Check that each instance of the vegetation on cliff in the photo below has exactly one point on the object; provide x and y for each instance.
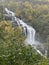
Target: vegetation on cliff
(13, 51)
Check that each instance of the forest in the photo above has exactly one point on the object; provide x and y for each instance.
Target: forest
(13, 51)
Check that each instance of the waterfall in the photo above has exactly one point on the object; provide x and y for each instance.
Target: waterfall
(10, 13)
(28, 30)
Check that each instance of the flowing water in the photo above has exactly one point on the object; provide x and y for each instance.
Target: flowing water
(30, 34)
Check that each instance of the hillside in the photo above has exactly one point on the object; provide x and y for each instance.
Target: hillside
(12, 49)
(33, 12)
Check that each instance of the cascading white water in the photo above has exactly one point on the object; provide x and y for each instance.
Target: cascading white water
(9, 12)
(30, 30)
